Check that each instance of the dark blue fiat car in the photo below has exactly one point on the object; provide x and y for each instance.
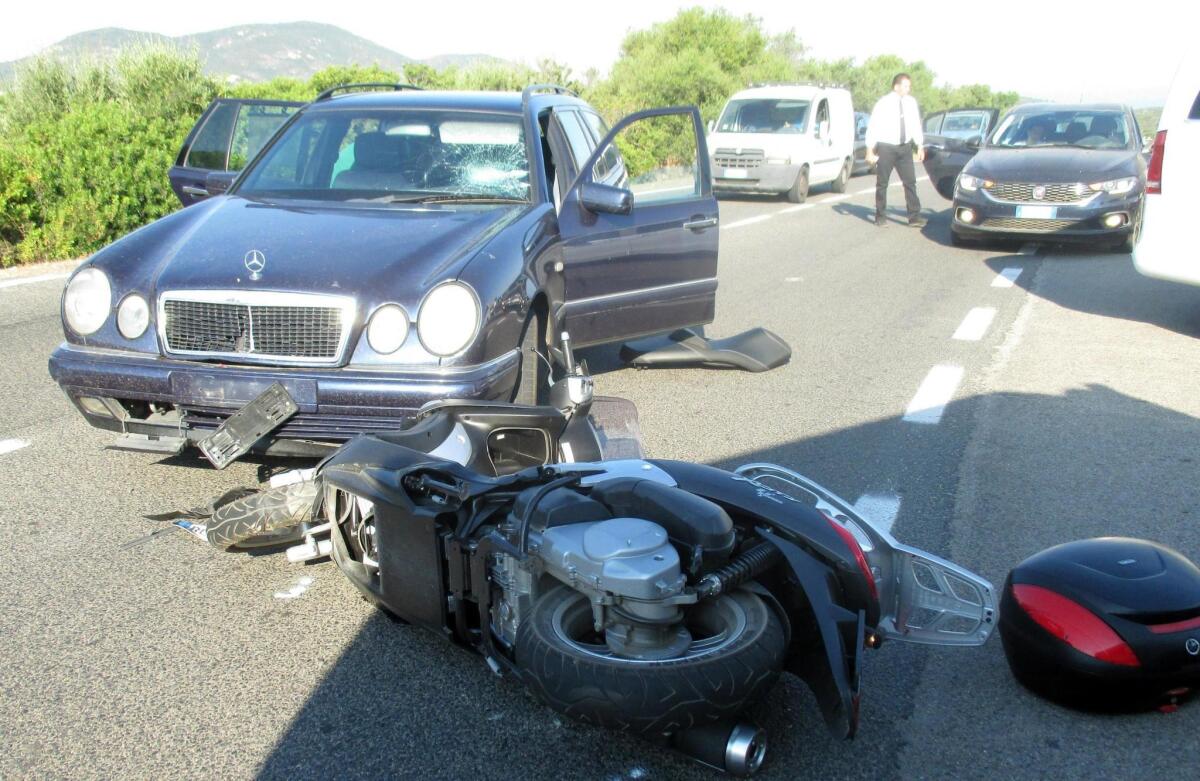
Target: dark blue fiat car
(383, 249)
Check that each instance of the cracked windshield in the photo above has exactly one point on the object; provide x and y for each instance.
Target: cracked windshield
(395, 157)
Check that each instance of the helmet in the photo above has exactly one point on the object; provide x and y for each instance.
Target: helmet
(1110, 624)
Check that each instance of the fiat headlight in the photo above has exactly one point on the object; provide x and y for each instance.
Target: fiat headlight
(88, 301)
(388, 329)
(133, 316)
(448, 319)
(971, 183)
(1115, 186)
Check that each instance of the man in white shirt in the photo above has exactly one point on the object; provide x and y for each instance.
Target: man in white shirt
(894, 127)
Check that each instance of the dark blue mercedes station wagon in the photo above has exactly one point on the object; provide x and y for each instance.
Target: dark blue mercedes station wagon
(383, 249)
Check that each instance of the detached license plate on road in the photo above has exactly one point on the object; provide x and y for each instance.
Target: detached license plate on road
(736, 173)
(1037, 212)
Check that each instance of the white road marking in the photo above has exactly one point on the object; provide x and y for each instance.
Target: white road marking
(797, 208)
(881, 509)
(936, 391)
(1029, 249)
(835, 198)
(747, 221)
(921, 179)
(1007, 277)
(975, 324)
(866, 191)
(793, 279)
(301, 586)
(31, 280)
(10, 445)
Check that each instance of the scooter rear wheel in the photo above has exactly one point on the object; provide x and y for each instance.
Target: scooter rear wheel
(735, 657)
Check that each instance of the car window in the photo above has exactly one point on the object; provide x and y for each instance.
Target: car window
(577, 137)
(1087, 128)
(823, 118)
(256, 124)
(607, 162)
(964, 124)
(393, 156)
(763, 115)
(210, 148)
(656, 159)
(933, 123)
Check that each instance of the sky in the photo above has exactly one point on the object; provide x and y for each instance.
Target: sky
(1099, 50)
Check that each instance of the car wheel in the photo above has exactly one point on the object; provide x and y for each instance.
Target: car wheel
(799, 191)
(533, 382)
(839, 184)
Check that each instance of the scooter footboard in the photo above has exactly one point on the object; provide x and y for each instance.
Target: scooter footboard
(923, 598)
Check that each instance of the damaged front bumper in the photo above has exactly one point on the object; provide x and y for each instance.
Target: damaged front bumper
(164, 399)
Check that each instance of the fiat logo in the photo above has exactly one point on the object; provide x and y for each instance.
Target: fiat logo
(255, 263)
(1039, 193)
(1193, 646)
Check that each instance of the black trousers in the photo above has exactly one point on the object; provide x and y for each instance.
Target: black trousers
(899, 157)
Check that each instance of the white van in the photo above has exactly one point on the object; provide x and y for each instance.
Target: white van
(783, 138)
(1166, 248)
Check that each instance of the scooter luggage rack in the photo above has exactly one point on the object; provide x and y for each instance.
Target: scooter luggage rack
(923, 598)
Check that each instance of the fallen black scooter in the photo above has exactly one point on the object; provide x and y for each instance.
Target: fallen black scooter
(649, 596)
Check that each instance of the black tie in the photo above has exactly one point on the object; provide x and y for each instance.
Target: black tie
(903, 135)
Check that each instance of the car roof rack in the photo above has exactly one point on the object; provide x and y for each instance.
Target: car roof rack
(554, 89)
(327, 94)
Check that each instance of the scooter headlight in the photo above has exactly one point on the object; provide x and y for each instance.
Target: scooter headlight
(448, 319)
(87, 302)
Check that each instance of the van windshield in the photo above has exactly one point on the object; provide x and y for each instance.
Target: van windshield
(764, 115)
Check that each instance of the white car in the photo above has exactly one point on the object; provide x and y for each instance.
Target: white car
(783, 138)
(1167, 248)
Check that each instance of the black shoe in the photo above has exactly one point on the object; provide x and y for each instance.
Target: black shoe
(880, 220)
(918, 222)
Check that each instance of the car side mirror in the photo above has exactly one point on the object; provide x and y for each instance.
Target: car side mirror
(218, 182)
(603, 198)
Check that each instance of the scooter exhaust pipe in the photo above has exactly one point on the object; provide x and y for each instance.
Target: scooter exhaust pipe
(735, 748)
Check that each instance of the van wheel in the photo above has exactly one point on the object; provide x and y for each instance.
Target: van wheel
(799, 191)
(839, 184)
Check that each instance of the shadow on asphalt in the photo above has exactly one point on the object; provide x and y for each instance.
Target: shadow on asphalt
(1112, 287)
(401, 702)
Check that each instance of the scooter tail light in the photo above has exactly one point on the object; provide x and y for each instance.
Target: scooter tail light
(1074, 624)
(1155, 169)
(859, 557)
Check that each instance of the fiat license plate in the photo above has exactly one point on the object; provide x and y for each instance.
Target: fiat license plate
(735, 173)
(1037, 212)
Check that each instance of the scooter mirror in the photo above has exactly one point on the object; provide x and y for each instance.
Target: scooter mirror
(572, 392)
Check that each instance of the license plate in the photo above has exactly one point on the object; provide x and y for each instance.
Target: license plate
(240, 431)
(735, 173)
(1037, 212)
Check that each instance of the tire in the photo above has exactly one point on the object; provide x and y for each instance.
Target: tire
(267, 518)
(799, 191)
(650, 697)
(839, 184)
(532, 383)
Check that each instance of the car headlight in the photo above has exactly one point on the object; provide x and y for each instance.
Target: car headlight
(1115, 186)
(972, 183)
(448, 319)
(88, 301)
(388, 329)
(133, 316)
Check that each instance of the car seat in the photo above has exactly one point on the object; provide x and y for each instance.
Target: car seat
(376, 165)
(1074, 132)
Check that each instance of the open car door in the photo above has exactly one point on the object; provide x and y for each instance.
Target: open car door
(951, 139)
(639, 231)
(228, 135)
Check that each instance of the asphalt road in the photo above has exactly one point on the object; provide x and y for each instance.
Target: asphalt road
(1072, 413)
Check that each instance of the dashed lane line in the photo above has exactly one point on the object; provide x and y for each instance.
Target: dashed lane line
(936, 391)
(975, 324)
(1007, 276)
(31, 280)
(881, 509)
(11, 445)
(747, 221)
(797, 208)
